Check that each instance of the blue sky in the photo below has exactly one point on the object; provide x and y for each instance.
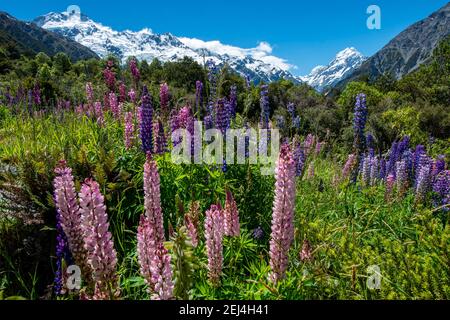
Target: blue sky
(305, 33)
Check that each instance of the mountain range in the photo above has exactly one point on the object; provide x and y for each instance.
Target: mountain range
(27, 38)
(345, 62)
(257, 63)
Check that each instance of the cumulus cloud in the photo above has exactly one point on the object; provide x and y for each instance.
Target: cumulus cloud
(262, 52)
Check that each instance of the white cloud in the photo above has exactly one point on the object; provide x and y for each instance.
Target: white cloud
(262, 52)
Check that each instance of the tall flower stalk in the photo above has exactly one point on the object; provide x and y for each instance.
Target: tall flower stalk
(231, 217)
(214, 247)
(146, 121)
(102, 256)
(68, 209)
(153, 257)
(282, 234)
(164, 97)
(129, 130)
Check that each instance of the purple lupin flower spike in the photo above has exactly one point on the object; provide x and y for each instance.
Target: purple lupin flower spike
(146, 121)
(164, 97)
(102, 257)
(265, 108)
(68, 209)
(159, 143)
(423, 183)
(349, 166)
(233, 101)
(359, 123)
(213, 241)
(299, 158)
(441, 187)
(135, 71)
(401, 177)
(231, 217)
(129, 130)
(198, 95)
(282, 234)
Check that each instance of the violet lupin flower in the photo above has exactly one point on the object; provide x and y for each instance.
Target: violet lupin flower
(174, 125)
(393, 157)
(89, 93)
(423, 183)
(349, 166)
(359, 123)
(146, 247)
(390, 182)
(110, 76)
(198, 95)
(265, 108)
(441, 187)
(423, 161)
(282, 234)
(164, 97)
(68, 209)
(122, 92)
(102, 256)
(373, 170)
(161, 274)
(291, 110)
(212, 78)
(132, 95)
(438, 165)
(159, 143)
(401, 176)
(366, 162)
(129, 130)
(299, 158)
(370, 145)
(222, 116)
(382, 173)
(258, 233)
(154, 261)
(135, 71)
(214, 248)
(114, 105)
(98, 110)
(231, 217)
(146, 121)
(281, 121)
(418, 152)
(296, 123)
(152, 201)
(233, 101)
(62, 254)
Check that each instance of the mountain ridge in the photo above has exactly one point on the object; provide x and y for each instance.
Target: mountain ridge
(29, 39)
(408, 50)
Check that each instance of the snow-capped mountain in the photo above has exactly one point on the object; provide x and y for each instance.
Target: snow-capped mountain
(258, 63)
(342, 65)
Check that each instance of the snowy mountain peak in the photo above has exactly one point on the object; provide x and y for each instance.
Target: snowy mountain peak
(345, 62)
(258, 63)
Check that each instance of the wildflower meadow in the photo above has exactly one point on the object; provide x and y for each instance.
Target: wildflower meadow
(93, 205)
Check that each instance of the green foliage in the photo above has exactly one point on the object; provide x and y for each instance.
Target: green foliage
(405, 122)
